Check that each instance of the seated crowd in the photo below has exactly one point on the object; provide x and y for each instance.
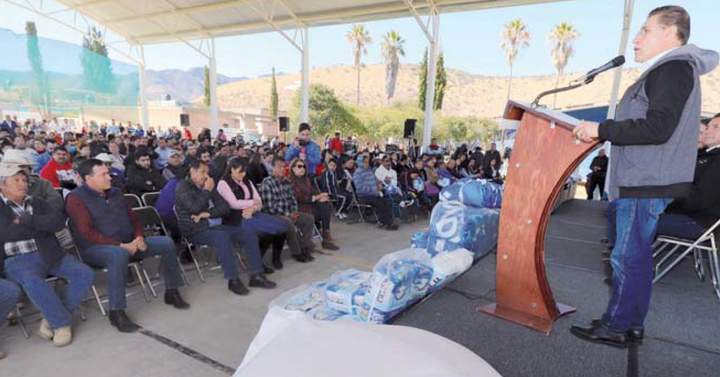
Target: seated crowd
(224, 194)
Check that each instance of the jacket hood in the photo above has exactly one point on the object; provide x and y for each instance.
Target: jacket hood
(703, 60)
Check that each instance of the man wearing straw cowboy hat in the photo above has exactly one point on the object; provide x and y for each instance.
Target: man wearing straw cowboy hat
(31, 253)
(37, 187)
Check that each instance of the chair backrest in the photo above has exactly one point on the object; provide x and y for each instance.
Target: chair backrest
(150, 221)
(133, 201)
(149, 198)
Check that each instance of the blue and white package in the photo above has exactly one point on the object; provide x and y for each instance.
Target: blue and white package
(342, 286)
(447, 266)
(398, 280)
(308, 299)
(454, 225)
(473, 192)
(323, 313)
(419, 240)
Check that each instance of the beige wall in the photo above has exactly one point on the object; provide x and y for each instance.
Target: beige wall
(163, 117)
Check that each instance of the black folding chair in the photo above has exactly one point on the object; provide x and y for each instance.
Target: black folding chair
(149, 198)
(68, 244)
(133, 200)
(153, 225)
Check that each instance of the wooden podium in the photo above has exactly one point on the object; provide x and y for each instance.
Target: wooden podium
(543, 157)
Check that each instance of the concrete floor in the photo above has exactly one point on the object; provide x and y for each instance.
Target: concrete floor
(209, 339)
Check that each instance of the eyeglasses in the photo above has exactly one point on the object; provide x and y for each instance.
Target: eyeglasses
(299, 166)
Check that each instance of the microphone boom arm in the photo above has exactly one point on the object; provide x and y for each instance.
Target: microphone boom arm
(536, 102)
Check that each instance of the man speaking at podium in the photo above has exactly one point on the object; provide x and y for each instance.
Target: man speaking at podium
(654, 140)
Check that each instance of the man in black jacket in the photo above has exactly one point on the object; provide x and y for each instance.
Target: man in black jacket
(598, 171)
(688, 216)
(31, 253)
(141, 177)
(200, 210)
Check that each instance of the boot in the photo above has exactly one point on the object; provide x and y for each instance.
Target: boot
(308, 254)
(327, 242)
(259, 280)
(173, 298)
(63, 336)
(302, 258)
(267, 269)
(237, 287)
(120, 320)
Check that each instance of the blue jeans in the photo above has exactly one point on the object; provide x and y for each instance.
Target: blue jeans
(30, 272)
(9, 295)
(222, 237)
(115, 259)
(631, 260)
(681, 226)
(611, 217)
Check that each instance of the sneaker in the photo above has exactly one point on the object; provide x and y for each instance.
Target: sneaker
(63, 336)
(45, 331)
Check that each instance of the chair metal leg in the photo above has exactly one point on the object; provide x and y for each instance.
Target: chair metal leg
(665, 258)
(150, 283)
(659, 250)
(98, 300)
(699, 266)
(20, 321)
(659, 274)
(182, 271)
(714, 267)
(195, 261)
(141, 280)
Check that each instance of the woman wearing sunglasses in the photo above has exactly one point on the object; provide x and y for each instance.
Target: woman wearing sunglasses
(312, 201)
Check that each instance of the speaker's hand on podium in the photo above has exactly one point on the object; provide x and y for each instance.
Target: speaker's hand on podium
(587, 132)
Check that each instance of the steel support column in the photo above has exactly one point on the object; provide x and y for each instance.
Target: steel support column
(430, 88)
(624, 37)
(214, 119)
(144, 117)
(305, 88)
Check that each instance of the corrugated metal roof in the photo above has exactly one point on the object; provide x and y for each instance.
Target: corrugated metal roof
(159, 21)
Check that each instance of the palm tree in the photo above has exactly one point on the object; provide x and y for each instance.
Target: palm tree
(514, 36)
(392, 49)
(562, 37)
(359, 38)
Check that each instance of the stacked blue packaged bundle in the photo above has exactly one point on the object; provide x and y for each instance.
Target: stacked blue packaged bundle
(473, 192)
(454, 225)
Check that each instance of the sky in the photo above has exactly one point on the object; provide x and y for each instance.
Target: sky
(470, 41)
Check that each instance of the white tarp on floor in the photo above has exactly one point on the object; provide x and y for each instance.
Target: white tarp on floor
(292, 344)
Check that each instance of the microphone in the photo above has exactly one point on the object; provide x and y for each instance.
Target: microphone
(586, 79)
(590, 76)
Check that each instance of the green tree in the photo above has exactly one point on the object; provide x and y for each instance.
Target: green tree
(514, 37)
(392, 49)
(359, 38)
(440, 83)
(273, 97)
(97, 66)
(422, 77)
(562, 37)
(466, 129)
(206, 82)
(327, 113)
(41, 97)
